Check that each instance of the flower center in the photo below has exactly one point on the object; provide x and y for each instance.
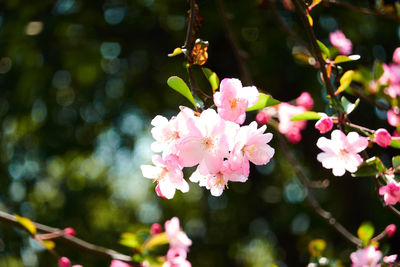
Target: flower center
(234, 103)
(208, 143)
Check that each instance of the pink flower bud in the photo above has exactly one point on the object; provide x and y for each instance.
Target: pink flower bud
(324, 125)
(64, 262)
(293, 136)
(156, 228)
(77, 266)
(69, 231)
(158, 192)
(263, 117)
(396, 56)
(117, 263)
(392, 118)
(382, 137)
(305, 100)
(390, 259)
(390, 230)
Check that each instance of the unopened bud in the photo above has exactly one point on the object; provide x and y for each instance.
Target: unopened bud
(390, 230)
(263, 117)
(382, 137)
(69, 231)
(64, 262)
(156, 228)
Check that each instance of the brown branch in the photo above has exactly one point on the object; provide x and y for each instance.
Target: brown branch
(72, 241)
(192, 15)
(362, 10)
(239, 54)
(301, 10)
(359, 92)
(312, 199)
(293, 35)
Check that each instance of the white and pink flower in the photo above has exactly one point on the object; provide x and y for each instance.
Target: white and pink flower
(176, 237)
(291, 129)
(366, 257)
(233, 99)
(339, 40)
(390, 193)
(168, 175)
(340, 153)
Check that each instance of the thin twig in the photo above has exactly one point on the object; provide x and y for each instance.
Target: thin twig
(311, 198)
(300, 8)
(71, 240)
(365, 97)
(239, 54)
(192, 15)
(362, 10)
(284, 26)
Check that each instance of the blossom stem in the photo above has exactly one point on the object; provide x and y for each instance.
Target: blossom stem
(71, 240)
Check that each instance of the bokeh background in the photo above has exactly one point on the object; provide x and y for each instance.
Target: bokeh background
(80, 82)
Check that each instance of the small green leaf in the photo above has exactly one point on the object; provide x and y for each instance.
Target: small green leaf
(348, 106)
(324, 49)
(345, 81)
(26, 223)
(177, 51)
(396, 162)
(341, 59)
(212, 78)
(263, 101)
(48, 244)
(314, 3)
(306, 116)
(156, 240)
(181, 87)
(377, 70)
(395, 144)
(370, 167)
(130, 240)
(316, 247)
(365, 232)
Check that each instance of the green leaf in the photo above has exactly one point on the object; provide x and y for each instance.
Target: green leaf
(341, 59)
(212, 78)
(130, 240)
(370, 167)
(181, 87)
(365, 232)
(395, 144)
(345, 81)
(156, 240)
(176, 51)
(263, 101)
(377, 70)
(348, 106)
(316, 247)
(26, 223)
(314, 3)
(396, 162)
(306, 116)
(324, 49)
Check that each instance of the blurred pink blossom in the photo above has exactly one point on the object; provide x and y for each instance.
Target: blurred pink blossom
(390, 230)
(390, 193)
(382, 137)
(305, 100)
(339, 40)
(392, 118)
(117, 263)
(396, 56)
(366, 257)
(156, 228)
(290, 128)
(176, 257)
(324, 125)
(390, 258)
(176, 237)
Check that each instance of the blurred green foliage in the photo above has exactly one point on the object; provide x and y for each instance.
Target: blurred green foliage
(79, 84)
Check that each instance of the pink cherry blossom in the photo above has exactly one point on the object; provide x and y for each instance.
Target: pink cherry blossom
(117, 263)
(340, 152)
(176, 237)
(251, 144)
(382, 137)
(305, 100)
(263, 116)
(366, 257)
(392, 118)
(396, 56)
(216, 183)
(390, 230)
(168, 174)
(208, 142)
(390, 193)
(290, 128)
(339, 40)
(324, 125)
(390, 258)
(167, 133)
(232, 100)
(176, 257)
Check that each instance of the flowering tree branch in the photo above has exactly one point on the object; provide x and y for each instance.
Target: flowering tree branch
(312, 199)
(71, 240)
(362, 10)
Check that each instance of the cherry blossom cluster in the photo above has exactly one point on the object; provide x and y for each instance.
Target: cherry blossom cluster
(179, 244)
(213, 141)
(370, 256)
(284, 112)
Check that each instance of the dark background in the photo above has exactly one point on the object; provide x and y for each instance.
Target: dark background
(80, 82)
